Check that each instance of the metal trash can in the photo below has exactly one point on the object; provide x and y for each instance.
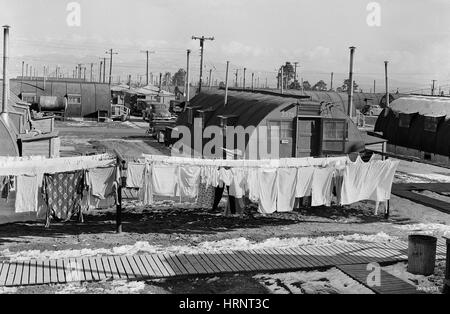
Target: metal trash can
(421, 254)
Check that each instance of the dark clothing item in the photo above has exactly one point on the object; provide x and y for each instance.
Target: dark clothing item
(63, 193)
(218, 197)
(5, 186)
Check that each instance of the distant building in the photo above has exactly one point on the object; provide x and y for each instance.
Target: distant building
(306, 128)
(79, 99)
(417, 126)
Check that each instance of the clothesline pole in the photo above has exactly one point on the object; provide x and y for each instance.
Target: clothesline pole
(123, 181)
(446, 289)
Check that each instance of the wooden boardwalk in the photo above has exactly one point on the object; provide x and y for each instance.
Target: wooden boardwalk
(388, 283)
(405, 190)
(150, 266)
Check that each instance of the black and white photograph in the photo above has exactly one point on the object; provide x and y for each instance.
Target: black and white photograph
(224, 155)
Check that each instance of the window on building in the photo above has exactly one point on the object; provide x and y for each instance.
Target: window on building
(431, 124)
(404, 120)
(334, 130)
(334, 136)
(29, 97)
(286, 129)
(74, 99)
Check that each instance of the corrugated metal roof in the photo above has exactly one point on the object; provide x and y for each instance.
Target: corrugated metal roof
(426, 106)
(250, 108)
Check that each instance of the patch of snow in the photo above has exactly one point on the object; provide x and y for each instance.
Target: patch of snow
(240, 244)
(71, 289)
(427, 228)
(8, 290)
(125, 287)
(331, 281)
(433, 177)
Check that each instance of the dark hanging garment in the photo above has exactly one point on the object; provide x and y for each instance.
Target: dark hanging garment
(5, 186)
(63, 193)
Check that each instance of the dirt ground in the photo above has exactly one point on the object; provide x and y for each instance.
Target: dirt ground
(170, 223)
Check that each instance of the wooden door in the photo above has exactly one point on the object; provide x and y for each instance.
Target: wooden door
(284, 137)
(307, 140)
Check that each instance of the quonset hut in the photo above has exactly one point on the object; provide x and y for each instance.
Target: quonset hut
(84, 99)
(305, 128)
(417, 126)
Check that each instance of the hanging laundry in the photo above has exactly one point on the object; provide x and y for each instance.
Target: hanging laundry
(252, 185)
(63, 193)
(225, 176)
(338, 179)
(102, 181)
(5, 186)
(356, 185)
(135, 173)
(26, 194)
(304, 181)
(268, 190)
(206, 194)
(322, 186)
(146, 193)
(189, 181)
(165, 180)
(286, 185)
(384, 173)
(210, 175)
(238, 182)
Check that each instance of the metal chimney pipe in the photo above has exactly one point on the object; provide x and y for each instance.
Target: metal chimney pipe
(5, 85)
(350, 78)
(188, 78)
(387, 87)
(226, 84)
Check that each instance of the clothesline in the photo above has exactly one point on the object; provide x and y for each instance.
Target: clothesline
(34, 166)
(261, 163)
(273, 184)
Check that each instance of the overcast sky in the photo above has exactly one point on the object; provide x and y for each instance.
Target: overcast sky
(259, 34)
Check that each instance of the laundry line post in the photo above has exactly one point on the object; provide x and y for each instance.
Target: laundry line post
(446, 289)
(122, 164)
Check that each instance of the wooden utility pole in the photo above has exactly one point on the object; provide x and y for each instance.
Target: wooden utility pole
(253, 78)
(226, 84)
(100, 72)
(282, 80)
(237, 73)
(331, 81)
(188, 89)
(432, 87)
(295, 71)
(79, 70)
(210, 78)
(111, 53)
(374, 86)
(243, 85)
(92, 71)
(147, 52)
(350, 87)
(202, 47)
